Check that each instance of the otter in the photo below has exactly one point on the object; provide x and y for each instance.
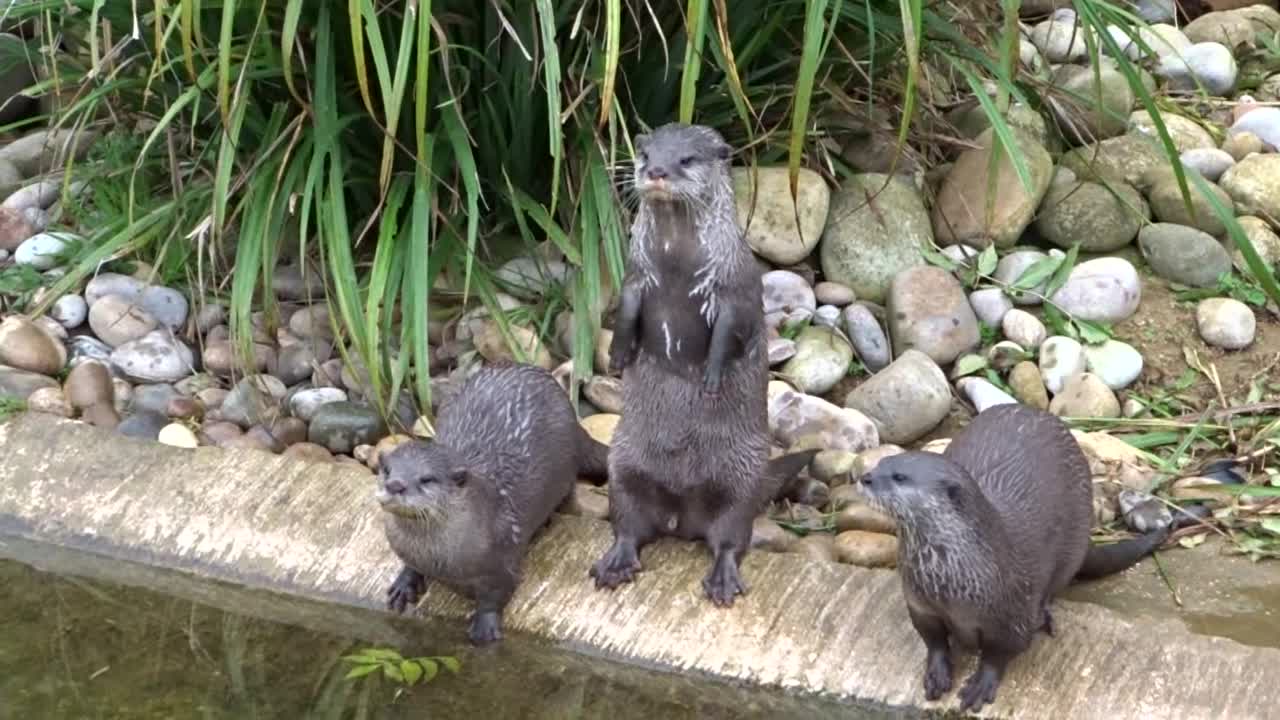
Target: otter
(463, 507)
(689, 457)
(989, 532)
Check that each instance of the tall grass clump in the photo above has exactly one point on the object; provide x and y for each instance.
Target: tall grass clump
(405, 149)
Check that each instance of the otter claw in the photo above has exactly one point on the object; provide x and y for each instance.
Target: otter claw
(979, 689)
(485, 628)
(618, 566)
(723, 584)
(405, 590)
(711, 382)
(937, 676)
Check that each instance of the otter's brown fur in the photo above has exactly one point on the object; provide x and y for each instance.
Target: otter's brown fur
(463, 507)
(989, 532)
(689, 457)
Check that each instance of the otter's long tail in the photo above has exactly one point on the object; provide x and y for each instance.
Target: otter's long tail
(1103, 560)
(593, 462)
(782, 469)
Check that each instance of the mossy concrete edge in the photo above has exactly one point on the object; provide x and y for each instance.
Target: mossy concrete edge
(312, 530)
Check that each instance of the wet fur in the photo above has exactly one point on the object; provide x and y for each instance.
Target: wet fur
(689, 456)
(989, 532)
(507, 450)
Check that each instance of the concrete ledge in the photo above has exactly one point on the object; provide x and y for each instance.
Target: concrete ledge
(810, 627)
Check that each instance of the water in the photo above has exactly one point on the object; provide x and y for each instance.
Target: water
(85, 638)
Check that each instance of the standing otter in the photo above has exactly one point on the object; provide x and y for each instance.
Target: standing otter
(689, 457)
(989, 531)
(463, 507)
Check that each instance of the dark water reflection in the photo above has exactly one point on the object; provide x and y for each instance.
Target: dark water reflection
(82, 638)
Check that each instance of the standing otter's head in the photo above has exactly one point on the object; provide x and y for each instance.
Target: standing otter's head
(917, 488)
(680, 162)
(420, 480)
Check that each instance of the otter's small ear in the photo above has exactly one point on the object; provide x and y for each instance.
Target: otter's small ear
(641, 142)
(458, 477)
(953, 492)
(723, 151)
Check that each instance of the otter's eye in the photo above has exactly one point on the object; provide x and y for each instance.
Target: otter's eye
(643, 157)
(427, 479)
(899, 478)
(686, 161)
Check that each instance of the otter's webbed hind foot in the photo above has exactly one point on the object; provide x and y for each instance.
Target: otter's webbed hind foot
(619, 565)
(724, 583)
(937, 674)
(405, 589)
(980, 689)
(485, 628)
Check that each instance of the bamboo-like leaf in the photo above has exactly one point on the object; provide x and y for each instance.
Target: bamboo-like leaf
(551, 73)
(695, 34)
(612, 50)
(814, 24)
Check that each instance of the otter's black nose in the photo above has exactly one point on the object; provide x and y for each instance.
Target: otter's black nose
(656, 173)
(395, 487)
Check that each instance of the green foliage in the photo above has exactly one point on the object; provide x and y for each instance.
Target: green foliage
(404, 671)
(10, 406)
(1229, 285)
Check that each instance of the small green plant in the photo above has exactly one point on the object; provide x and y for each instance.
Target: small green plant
(399, 669)
(1246, 290)
(10, 406)
(988, 335)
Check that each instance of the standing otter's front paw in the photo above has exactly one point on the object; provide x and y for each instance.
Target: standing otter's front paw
(711, 380)
(405, 589)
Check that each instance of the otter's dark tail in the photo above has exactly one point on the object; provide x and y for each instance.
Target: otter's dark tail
(593, 462)
(1103, 560)
(781, 470)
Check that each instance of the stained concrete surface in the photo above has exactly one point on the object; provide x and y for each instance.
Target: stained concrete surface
(311, 530)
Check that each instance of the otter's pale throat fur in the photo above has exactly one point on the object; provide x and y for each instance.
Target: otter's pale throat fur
(463, 507)
(989, 532)
(690, 455)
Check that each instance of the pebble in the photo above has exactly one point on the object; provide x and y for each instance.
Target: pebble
(89, 384)
(1012, 266)
(906, 400)
(990, 306)
(983, 394)
(770, 223)
(106, 284)
(1005, 354)
(253, 400)
(166, 305)
(1091, 214)
(1183, 254)
(867, 549)
(1085, 395)
(785, 291)
(868, 338)
(1060, 358)
(822, 358)
(529, 278)
(826, 316)
(1118, 364)
(177, 435)
(875, 230)
(928, 311)
(959, 211)
(1060, 41)
(491, 345)
(1101, 290)
(102, 416)
(1168, 207)
(605, 393)
(1024, 329)
(768, 535)
(220, 433)
(116, 320)
(960, 254)
(26, 345)
(309, 452)
(819, 546)
(50, 400)
(1242, 144)
(70, 311)
(833, 466)
(340, 426)
(860, 516)
(1226, 323)
(1082, 116)
(15, 228)
(801, 421)
(155, 357)
(212, 315)
(1028, 386)
(1142, 512)
(297, 362)
(1254, 182)
(290, 284)
(1211, 163)
(780, 350)
(154, 397)
(833, 293)
(122, 392)
(1209, 64)
(143, 424)
(43, 250)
